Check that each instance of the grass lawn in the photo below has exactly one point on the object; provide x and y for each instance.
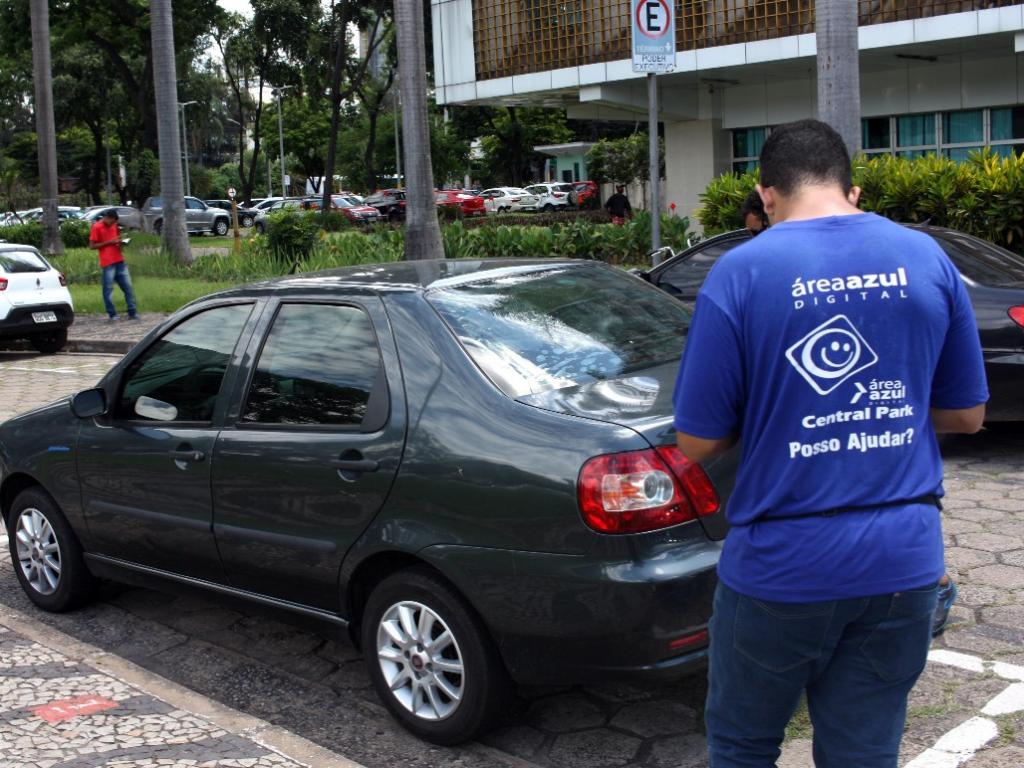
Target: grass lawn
(152, 294)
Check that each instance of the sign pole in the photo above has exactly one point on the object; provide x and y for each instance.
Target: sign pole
(652, 133)
(654, 51)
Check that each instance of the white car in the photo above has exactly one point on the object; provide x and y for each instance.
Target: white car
(35, 302)
(508, 199)
(553, 195)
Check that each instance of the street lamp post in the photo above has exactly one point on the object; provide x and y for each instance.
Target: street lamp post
(280, 136)
(184, 144)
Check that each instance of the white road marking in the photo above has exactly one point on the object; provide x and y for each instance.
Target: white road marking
(958, 746)
(39, 370)
(1009, 701)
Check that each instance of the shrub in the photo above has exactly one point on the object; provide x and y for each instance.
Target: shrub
(334, 221)
(449, 213)
(721, 201)
(292, 235)
(75, 234)
(29, 233)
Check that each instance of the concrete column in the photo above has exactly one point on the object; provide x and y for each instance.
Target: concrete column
(696, 151)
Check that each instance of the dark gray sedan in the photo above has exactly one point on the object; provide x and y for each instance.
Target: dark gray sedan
(470, 465)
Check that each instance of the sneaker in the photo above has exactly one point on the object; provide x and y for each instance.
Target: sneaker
(134, 317)
(113, 318)
(947, 596)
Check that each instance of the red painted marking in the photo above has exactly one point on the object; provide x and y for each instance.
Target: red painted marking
(68, 709)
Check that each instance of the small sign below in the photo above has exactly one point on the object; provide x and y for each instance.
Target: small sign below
(654, 36)
(68, 709)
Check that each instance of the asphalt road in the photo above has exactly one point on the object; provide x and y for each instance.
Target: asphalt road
(299, 677)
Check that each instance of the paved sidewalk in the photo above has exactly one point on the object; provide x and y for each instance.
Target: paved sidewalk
(95, 333)
(59, 709)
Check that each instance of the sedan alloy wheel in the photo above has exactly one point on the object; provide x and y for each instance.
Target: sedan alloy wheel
(38, 551)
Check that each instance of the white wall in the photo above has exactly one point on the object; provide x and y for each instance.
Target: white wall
(454, 58)
(696, 151)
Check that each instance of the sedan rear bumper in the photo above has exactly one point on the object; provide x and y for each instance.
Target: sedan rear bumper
(560, 618)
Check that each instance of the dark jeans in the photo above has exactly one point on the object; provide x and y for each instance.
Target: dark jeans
(118, 273)
(856, 659)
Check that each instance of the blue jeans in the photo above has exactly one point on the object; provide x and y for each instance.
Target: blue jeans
(118, 273)
(857, 660)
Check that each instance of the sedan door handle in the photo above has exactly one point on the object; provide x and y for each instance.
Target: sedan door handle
(188, 455)
(355, 465)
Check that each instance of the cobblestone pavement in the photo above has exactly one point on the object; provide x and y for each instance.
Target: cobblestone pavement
(965, 710)
(99, 328)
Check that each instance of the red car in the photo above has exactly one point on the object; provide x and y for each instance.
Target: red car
(471, 205)
(585, 190)
(354, 211)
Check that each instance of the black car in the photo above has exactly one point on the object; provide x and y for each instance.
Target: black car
(994, 278)
(246, 216)
(471, 465)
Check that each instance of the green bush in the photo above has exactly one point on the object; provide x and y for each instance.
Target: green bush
(983, 196)
(29, 233)
(449, 213)
(75, 234)
(334, 221)
(292, 235)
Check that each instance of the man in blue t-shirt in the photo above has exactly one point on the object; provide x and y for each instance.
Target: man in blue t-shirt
(834, 345)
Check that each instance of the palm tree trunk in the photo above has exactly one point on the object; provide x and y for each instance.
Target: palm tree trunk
(46, 134)
(165, 85)
(835, 25)
(422, 231)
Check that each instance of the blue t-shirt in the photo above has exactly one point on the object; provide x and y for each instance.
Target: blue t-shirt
(822, 343)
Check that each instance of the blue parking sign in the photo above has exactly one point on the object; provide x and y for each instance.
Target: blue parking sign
(654, 36)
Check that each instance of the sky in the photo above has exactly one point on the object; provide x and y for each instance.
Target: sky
(237, 6)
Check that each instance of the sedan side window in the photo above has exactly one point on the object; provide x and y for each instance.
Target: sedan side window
(183, 371)
(684, 279)
(319, 366)
(194, 205)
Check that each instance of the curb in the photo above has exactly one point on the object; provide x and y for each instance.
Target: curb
(80, 346)
(275, 738)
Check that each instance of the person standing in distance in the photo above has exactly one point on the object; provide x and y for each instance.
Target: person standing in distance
(752, 214)
(829, 575)
(105, 237)
(618, 206)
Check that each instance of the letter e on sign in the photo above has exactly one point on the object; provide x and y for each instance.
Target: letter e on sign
(653, 17)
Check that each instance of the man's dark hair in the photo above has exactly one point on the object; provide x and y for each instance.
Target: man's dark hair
(753, 204)
(110, 213)
(804, 152)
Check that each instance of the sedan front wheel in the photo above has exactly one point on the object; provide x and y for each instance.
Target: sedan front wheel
(47, 556)
(431, 659)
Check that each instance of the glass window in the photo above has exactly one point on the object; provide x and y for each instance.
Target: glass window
(912, 153)
(742, 166)
(983, 262)
(1007, 123)
(748, 142)
(684, 279)
(14, 262)
(1009, 150)
(319, 366)
(185, 367)
(960, 153)
(534, 329)
(915, 130)
(875, 133)
(193, 205)
(963, 127)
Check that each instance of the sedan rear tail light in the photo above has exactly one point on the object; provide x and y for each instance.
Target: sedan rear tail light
(643, 491)
(1016, 314)
(559, 194)
(63, 280)
(3, 283)
(514, 199)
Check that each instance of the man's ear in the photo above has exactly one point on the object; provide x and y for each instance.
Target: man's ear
(767, 198)
(853, 196)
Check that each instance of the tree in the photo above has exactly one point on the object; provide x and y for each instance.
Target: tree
(422, 231)
(42, 76)
(835, 26)
(508, 136)
(165, 85)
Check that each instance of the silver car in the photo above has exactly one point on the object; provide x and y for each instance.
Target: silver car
(261, 223)
(199, 217)
(553, 195)
(127, 217)
(509, 199)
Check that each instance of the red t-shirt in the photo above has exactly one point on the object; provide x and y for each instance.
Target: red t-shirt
(101, 233)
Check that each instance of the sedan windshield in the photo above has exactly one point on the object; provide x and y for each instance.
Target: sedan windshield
(534, 329)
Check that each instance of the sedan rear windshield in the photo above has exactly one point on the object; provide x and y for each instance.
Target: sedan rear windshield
(983, 262)
(535, 329)
(15, 262)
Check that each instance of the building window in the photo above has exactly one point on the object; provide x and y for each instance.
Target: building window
(876, 133)
(915, 135)
(1006, 126)
(746, 147)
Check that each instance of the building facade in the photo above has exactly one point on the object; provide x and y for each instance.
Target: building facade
(936, 76)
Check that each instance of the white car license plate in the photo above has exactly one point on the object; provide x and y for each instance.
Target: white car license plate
(44, 317)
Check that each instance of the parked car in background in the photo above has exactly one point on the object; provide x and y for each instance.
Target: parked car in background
(199, 217)
(246, 216)
(390, 203)
(469, 205)
(508, 200)
(261, 222)
(470, 464)
(127, 217)
(64, 212)
(265, 202)
(994, 278)
(551, 195)
(356, 213)
(586, 191)
(35, 303)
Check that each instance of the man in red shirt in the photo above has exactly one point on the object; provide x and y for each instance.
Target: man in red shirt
(105, 237)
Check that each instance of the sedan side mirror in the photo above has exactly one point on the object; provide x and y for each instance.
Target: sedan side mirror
(89, 403)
